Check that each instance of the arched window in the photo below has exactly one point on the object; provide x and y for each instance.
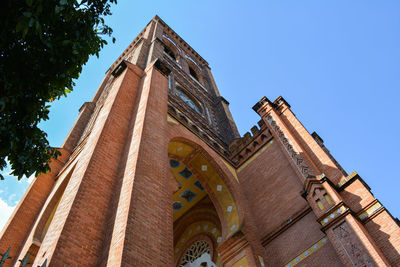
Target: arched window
(194, 252)
(189, 101)
(48, 214)
(170, 48)
(194, 70)
(169, 52)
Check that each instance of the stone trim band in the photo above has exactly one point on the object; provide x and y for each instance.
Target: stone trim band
(308, 252)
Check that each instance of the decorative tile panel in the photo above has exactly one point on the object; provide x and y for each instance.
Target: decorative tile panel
(174, 163)
(370, 211)
(186, 173)
(195, 229)
(333, 214)
(184, 184)
(188, 195)
(308, 252)
(177, 205)
(199, 185)
(243, 262)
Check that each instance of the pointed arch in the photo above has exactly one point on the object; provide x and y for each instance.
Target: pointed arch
(51, 207)
(216, 178)
(170, 48)
(194, 70)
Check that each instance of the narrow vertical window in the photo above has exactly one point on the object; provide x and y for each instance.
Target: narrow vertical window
(169, 52)
(328, 198)
(169, 82)
(193, 73)
(320, 205)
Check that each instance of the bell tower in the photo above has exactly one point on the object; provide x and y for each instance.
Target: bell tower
(193, 96)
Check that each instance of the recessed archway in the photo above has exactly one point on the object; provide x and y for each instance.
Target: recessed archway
(203, 205)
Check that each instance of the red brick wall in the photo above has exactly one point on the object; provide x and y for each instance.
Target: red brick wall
(296, 239)
(272, 189)
(357, 196)
(142, 229)
(326, 256)
(37, 230)
(386, 234)
(78, 227)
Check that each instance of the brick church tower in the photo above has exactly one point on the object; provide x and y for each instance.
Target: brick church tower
(154, 173)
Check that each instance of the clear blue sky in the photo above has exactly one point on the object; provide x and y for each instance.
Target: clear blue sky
(336, 62)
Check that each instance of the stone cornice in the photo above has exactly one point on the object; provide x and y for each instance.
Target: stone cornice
(186, 47)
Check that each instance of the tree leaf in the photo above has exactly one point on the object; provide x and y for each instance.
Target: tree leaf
(21, 26)
(27, 14)
(45, 52)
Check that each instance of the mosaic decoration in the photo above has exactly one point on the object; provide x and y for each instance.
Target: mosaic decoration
(370, 211)
(333, 215)
(177, 205)
(220, 190)
(193, 230)
(308, 252)
(210, 176)
(188, 195)
(185, 184)
(346, 179)
(243, 262)
(185, 173)
(296, 157)
(174, 163)
(199, 186)
(231, 169)
(184, 151)
(244, 165)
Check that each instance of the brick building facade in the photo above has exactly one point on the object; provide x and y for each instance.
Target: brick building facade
(154, 173)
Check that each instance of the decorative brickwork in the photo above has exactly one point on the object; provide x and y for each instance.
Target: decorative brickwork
(354, 249)
(297, 158)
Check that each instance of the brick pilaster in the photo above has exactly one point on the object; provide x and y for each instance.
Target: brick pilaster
(297, 156)
(236, 249)
(80, 221)
(353, 244)
(143, 228)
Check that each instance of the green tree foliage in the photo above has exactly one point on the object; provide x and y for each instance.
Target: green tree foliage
(43, 45)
